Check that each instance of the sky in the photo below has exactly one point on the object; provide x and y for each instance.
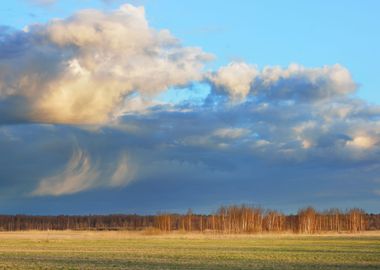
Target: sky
(147, 106)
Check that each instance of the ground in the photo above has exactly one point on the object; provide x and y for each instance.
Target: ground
(125, 250)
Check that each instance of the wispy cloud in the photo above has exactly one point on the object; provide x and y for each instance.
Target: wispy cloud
(123, 173)
(78, 175)
(82, 173)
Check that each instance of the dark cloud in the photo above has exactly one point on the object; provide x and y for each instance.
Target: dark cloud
(246, 145)
(280, 137)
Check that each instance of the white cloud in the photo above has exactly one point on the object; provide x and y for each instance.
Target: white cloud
(364, 142)
(79, 70)
(123, 173)
(295, 82)
(80, 174)
(235, 78)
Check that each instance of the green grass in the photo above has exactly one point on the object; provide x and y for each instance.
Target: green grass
(195, 252)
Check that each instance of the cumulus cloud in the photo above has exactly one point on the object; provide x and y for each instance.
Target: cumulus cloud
(80, 69)
(235, 79)
(295, 82)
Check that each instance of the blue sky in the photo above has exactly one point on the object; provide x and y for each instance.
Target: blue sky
(188, 104)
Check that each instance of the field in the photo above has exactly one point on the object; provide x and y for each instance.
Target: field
(124, 250)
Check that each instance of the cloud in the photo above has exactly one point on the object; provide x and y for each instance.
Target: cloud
(187, 152)
(123, 173)
(297, 83)
(78, 175)
(365, 142)
(299, 129)
(43, 2)
(231, 133)
(81, 173)
(80, 69)
(235, 79)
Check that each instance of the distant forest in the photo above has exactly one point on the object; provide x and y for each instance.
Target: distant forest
(231, 219)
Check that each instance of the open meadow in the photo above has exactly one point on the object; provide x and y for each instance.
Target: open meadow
(126, 250)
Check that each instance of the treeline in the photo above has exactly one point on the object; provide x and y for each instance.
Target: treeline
(243, 219)
(231, 219)
(63, 222)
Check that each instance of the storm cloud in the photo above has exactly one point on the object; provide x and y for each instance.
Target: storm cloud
(81, 112)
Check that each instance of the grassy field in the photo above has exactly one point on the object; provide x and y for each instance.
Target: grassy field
(123, 250)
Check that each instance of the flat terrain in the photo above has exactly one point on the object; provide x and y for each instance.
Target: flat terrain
(123, 250)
